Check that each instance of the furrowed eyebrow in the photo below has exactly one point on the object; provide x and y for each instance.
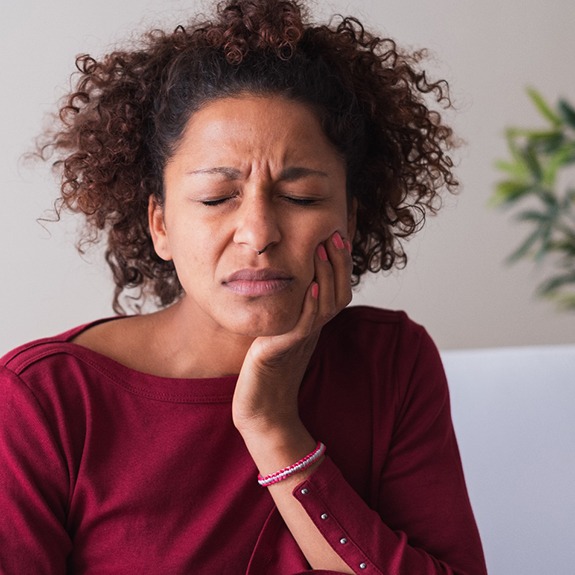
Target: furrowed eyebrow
(229, 173)
(297, 172)
(287, 175)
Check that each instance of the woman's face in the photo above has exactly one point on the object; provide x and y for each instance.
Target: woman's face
(251, 173)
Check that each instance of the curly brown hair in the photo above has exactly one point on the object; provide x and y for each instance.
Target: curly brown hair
(127, 111)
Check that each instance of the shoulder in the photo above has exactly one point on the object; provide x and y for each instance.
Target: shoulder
(379, 343)
(54, 376)
(41, 350)
(367, 314)
(370, 326)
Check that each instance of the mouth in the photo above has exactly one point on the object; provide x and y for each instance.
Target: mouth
(253, 283)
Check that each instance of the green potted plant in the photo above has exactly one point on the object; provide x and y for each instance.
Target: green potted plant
(539, 185)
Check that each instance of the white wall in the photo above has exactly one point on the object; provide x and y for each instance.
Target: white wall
(456, 283)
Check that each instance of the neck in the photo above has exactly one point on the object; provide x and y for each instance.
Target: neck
(195, 349)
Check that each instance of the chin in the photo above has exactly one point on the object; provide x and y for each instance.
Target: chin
(265, 324)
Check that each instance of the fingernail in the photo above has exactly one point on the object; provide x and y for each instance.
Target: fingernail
(314, 291)
(337, 241)
(322, 254)
(348, 245)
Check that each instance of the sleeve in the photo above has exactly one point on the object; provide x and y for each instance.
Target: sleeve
(33, 485)
(423, 523)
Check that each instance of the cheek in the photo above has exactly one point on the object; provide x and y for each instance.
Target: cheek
(190, 252)
(319, 231)
(323, 228)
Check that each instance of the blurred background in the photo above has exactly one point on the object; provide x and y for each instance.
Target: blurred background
(456, 282)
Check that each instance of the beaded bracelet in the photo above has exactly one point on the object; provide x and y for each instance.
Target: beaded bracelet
(284, 473)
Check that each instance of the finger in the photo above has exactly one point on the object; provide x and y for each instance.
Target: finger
(324, 275)
(339, 252)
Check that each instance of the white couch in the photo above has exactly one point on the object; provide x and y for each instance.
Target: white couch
(514, 414)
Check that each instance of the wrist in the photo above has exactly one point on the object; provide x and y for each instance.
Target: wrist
(305, 463)
(276, 425)
(278, 448)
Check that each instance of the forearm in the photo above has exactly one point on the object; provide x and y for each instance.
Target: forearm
(274, 450)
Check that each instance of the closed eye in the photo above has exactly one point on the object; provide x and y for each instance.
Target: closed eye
(295, 200)
(301, 201)
(219, 201)
(214, 202)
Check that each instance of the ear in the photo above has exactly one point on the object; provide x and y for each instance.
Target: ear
(352, 219)
(158, 229)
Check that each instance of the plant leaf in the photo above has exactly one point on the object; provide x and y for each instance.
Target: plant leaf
(513, 168)
(532, 162)
(545, 247)
(567, 112)
(550, 200)
(532, 216)
(566, 302)
(509, 191)
(556, 282)
(544, 108)
(524, 249)
(566, 249)
(561, 157)
(513, 145)
(550, 142)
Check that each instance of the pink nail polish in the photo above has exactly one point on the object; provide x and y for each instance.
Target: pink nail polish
(348, 246)
(314, 291)
(338, 241)
(322, 254)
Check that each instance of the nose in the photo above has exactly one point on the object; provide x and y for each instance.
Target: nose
(257, 225)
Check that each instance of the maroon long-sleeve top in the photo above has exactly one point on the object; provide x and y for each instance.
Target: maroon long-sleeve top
(105, 470)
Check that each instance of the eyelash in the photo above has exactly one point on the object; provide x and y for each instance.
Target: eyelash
(296, 201)
(217, 202)
(301, 201)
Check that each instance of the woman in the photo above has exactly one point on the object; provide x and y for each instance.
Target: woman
(244, 171)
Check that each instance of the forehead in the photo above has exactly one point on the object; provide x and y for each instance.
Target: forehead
(259, 127)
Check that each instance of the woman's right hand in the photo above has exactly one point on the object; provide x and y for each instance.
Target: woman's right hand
(266, 393)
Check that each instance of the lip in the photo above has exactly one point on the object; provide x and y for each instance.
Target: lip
(257, 282)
